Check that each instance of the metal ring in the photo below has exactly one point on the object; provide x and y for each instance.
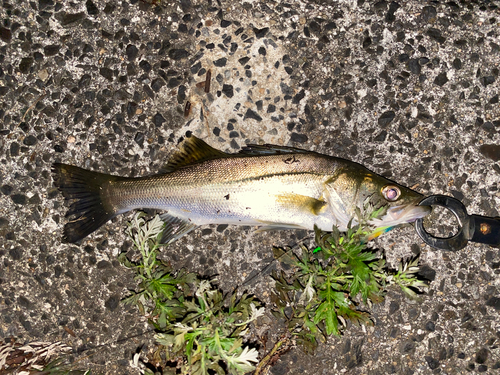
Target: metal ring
(456, 242)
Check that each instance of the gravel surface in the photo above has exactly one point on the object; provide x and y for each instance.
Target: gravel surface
(410, 89)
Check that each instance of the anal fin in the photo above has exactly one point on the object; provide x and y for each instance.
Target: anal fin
(276, 226)
(175, 228)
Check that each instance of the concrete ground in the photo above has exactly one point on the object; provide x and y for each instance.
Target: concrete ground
(410, 89)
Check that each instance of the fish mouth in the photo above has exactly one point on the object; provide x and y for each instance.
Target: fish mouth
(403, 214)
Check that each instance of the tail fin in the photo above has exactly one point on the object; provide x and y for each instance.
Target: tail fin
(89, 210)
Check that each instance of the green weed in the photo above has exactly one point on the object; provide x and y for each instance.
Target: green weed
(198, 327)
(335, 282)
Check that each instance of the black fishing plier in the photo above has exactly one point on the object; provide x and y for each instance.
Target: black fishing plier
(473, 228)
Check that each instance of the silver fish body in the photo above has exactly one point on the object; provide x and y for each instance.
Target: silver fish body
(269, 186)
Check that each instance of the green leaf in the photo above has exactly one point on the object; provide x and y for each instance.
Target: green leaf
(164, 286)
(326, 313)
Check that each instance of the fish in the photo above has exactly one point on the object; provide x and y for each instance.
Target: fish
(272, 187)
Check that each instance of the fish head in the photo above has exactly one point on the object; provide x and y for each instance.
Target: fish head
(355, 185)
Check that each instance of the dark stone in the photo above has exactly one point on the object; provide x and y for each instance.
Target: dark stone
(488, 80)
(146, 66)
(407, 346)
(225, 23)
(24, 302)
(234, 145)
(423, 61)
(431, 362)
(490, 151)
(131, 51)
(436, 35)
(367, 42)
(430, 326)
(482, 355)
(106, 73)
(139, 138)
(25, 64)
(457, 63)
(429, 14)
(441, 79)
(14, 149)
(181, 94)
(457, 194)
(67, 19)
(3, 90)
(6, 189)
(131, 109)
(25, 323)
(84, 80)
(234, 134)
(216, 131)
(381, 137)
(298, 97)
(285, 89)
(173, 82)
(103, 264)
(178, 54)
(228, 90)
(157, 84)
(414, 66)
(427, 272)
(51, 50)
(253, 115)
(403, 57)
(271, 108)
(113, 302)
(91, 8)
(244, 60)
(393, 307)
(260, 33)
(30, 140)
(220, 62)
(158, 120)
(262, 51)
(494, 302)
(386, 118)
(196, 67)
(393, 7)
(15, 253)
(299, 138)
(5, 34)
(3, 222)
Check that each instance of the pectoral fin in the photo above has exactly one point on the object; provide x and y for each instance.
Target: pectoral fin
(175, 228)
(302, 203)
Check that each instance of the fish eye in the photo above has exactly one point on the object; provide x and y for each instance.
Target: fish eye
(391, 193)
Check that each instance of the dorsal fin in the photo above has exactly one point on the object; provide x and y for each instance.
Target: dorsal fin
(270, 150)
(193, 150)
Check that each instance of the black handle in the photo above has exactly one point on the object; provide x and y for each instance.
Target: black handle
(486, 230)
(474, 228)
